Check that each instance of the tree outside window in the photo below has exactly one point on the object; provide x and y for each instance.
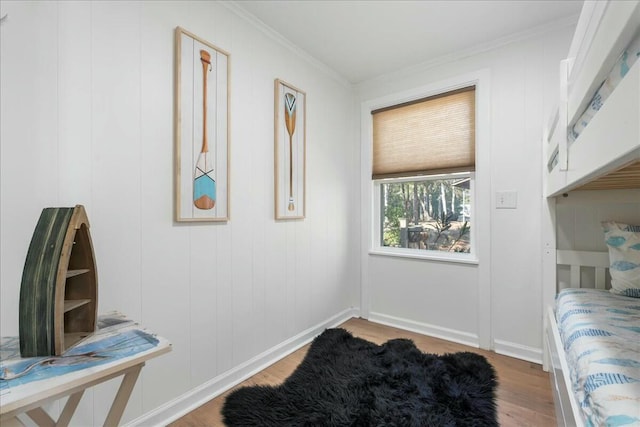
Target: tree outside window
(427, 213)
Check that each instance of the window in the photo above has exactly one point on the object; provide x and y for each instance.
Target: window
(423, 175)
(431, 213)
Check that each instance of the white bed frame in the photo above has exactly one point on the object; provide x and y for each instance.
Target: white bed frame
(610, 142)
(568, 412)
(612, 138)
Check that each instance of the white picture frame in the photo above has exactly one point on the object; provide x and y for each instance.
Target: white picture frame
(201, 129)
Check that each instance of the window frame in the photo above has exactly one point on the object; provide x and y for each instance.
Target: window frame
(378, 217)
(480, 178)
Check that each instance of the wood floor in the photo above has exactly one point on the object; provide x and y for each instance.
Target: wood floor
(524, 391)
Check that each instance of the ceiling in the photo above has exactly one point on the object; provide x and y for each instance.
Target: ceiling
(361, 40)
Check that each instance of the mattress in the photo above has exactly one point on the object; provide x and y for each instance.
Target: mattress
(601, 338)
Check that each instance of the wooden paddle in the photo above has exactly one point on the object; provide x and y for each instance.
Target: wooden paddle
(290, 121)
(204, 186)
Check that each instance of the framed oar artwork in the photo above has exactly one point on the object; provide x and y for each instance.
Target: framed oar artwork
(202, 130)
(290, 112)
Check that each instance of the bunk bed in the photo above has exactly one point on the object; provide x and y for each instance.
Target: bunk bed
(593, 338)
(593, 138)
(592, 142)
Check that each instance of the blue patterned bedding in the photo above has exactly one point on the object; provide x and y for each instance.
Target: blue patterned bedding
(622, 66)
(617, 73)
(600, 332)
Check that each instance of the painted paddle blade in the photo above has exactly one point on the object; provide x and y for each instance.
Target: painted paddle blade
(290, 112)
(290, 122)
(204, 185)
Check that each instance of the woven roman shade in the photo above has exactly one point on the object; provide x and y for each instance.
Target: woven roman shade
(425, 137)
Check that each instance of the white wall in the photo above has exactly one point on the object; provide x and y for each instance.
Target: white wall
(446, 298)
(580, 213)
(578, 218)
(87, 117)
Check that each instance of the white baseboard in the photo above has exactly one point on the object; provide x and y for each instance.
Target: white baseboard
(518, 351)
(459, 337)
(196, 397)
(530, 354)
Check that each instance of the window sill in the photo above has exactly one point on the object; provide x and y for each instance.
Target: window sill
(425, 255)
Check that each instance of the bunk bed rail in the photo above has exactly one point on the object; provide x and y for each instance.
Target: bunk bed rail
(604, 31)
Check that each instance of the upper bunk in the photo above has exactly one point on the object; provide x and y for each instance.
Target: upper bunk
(592, 141)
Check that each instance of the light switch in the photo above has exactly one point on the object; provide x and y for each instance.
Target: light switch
(506, 200)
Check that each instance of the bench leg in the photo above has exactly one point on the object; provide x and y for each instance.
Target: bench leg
(43, 419)
(122, 397)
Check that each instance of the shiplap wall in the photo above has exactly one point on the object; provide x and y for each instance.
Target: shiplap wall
(578, 217)
(451, 299)
(580, 213)
(87, 117)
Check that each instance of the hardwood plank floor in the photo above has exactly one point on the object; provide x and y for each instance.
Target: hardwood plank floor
(524, 391)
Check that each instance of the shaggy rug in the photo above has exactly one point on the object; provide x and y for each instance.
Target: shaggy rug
(347, 381)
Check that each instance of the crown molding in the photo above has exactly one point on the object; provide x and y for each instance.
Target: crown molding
(236, 8)
(474, 50)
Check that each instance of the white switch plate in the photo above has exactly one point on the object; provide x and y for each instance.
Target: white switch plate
(506, 200)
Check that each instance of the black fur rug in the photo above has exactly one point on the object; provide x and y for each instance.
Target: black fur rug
(347, 381)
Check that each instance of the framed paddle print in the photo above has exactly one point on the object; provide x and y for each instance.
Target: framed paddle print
(290, 151)
(202, 130)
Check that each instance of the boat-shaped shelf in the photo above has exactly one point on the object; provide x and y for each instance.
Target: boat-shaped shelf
(59, 290)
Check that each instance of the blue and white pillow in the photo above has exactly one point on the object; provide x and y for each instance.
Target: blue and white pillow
(623, 242)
